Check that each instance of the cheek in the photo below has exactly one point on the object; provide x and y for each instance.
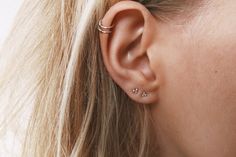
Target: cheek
(198, 100)
(212, 54)
(198, 96)
(211, 66)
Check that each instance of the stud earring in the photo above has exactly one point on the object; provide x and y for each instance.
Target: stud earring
(144, 94)
(135, 91)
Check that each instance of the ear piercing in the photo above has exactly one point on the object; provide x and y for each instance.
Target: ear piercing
(104, 29)
(144, 94)
(137, 91)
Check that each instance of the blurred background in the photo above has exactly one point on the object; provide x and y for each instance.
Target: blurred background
(8, 10)
(10, 141)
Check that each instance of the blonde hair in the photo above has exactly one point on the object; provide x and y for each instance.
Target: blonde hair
(78, 110)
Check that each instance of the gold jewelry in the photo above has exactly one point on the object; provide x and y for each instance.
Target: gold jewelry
(104, 29)
(144, 94)
(137, 91)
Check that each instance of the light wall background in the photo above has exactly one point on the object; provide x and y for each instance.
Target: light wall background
(9, 143)
(8, 10)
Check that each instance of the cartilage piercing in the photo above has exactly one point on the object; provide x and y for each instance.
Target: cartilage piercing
(104, 29)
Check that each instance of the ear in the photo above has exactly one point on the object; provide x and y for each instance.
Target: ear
(125, 50)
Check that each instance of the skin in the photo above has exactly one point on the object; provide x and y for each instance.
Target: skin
(188, 69)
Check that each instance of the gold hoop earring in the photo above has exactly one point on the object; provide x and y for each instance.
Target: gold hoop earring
(104, 29)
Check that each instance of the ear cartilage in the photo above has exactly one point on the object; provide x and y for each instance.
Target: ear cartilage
(104, 29)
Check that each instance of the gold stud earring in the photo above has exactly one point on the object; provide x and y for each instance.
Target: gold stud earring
(135, 91)
(144, 94)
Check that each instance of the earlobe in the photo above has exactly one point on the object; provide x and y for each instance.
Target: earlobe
(125, 38)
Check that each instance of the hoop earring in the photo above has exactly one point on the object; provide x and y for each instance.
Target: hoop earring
(104, 29)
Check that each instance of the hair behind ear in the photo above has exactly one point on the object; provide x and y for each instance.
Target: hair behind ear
(109, 123)
(78, 110)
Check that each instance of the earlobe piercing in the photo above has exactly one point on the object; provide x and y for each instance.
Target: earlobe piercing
(136, 91)
(104, 29)
(144, 94)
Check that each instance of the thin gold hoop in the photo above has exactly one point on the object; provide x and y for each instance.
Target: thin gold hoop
(104, 29)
